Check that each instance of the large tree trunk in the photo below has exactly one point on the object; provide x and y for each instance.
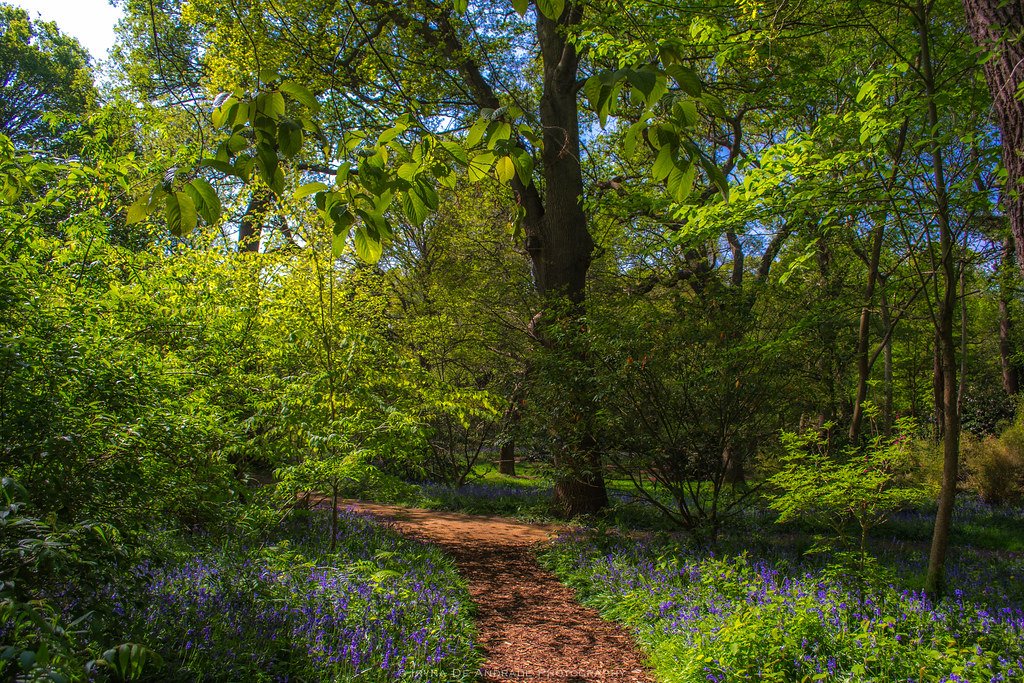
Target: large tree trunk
(560, 248)
(507, 458)
(935, 579)
(998, 26)
(557, 240)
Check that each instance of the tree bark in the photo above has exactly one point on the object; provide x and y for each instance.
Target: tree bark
(935, 579)
(997, 26)
(864, 331)
(507, 458)
(558, 240)
(887, 416)
(1011, 377)
(251, 227)
(560, 248)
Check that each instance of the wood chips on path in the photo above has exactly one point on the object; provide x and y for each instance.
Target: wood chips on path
(530, 626)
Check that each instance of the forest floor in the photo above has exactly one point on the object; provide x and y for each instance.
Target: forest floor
(530, 626)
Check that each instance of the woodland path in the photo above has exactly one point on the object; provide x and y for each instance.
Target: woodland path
(530, 626)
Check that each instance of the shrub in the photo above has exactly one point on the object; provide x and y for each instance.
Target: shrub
(996, 467)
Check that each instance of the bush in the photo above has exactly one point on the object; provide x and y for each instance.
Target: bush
(996, 467)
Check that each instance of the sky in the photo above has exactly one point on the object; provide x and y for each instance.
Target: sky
(91, 21)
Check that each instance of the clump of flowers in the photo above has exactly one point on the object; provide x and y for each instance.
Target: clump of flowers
(378, 608)
(770, 615)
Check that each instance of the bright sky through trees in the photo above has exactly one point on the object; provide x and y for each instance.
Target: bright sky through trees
(91, 21)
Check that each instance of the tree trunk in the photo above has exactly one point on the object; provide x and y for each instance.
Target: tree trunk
(935, 579)
(507, 458)
(997, 26)
(938, 387)
(864, 332)
(251, 228)
(558, 241)
(560, 249)
(887, 416)
(1011, 378)
(733, 471)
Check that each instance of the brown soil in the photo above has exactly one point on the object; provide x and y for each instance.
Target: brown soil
(530, 626)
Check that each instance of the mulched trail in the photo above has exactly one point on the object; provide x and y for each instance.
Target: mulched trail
(530, 626)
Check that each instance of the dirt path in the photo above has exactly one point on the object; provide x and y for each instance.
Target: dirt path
(530, 626)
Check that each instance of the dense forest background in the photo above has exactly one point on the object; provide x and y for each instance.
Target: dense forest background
(356, 247)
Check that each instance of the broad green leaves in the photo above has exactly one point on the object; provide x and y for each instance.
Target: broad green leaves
(181, 209)
(669, 97)
(552, 9)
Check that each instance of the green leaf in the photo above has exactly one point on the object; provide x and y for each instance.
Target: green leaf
(680, 181)
(476, 133)
(236, 143)
(717, 177)
(480, 165)
(502, 131)
(505, 169)
(714, 105)
(685, 112)
(664, 163)
(686, 78)
(268, 161)
(633, 135)
(180, 212)
(220, 115)
(427, 194)
(524, 165)
(643, 80)
(457, 151)
(138, 210)
(310, 188)
(206, 200)
(342, 222)
(222, 167)
(368, 248)
(552, 9)
(415, 210)
(460, 6)
(270, 104)
(301, 94)
(521, 6)
(866, 90)
(408, 170)
(592, 90)
(289, 138)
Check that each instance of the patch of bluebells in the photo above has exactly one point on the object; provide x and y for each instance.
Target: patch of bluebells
(381, 608)
(769, 614)
(489, 498)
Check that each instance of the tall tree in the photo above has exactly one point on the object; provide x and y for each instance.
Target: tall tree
(42, 72)
(997, 27)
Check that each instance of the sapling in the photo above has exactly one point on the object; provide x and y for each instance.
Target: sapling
(858, 489)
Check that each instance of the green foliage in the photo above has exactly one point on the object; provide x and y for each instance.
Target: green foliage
(764, 615)
(995, 465)
(47, 81)
(41, 642)
(281, 603)
(352, 475)
(860, 487)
